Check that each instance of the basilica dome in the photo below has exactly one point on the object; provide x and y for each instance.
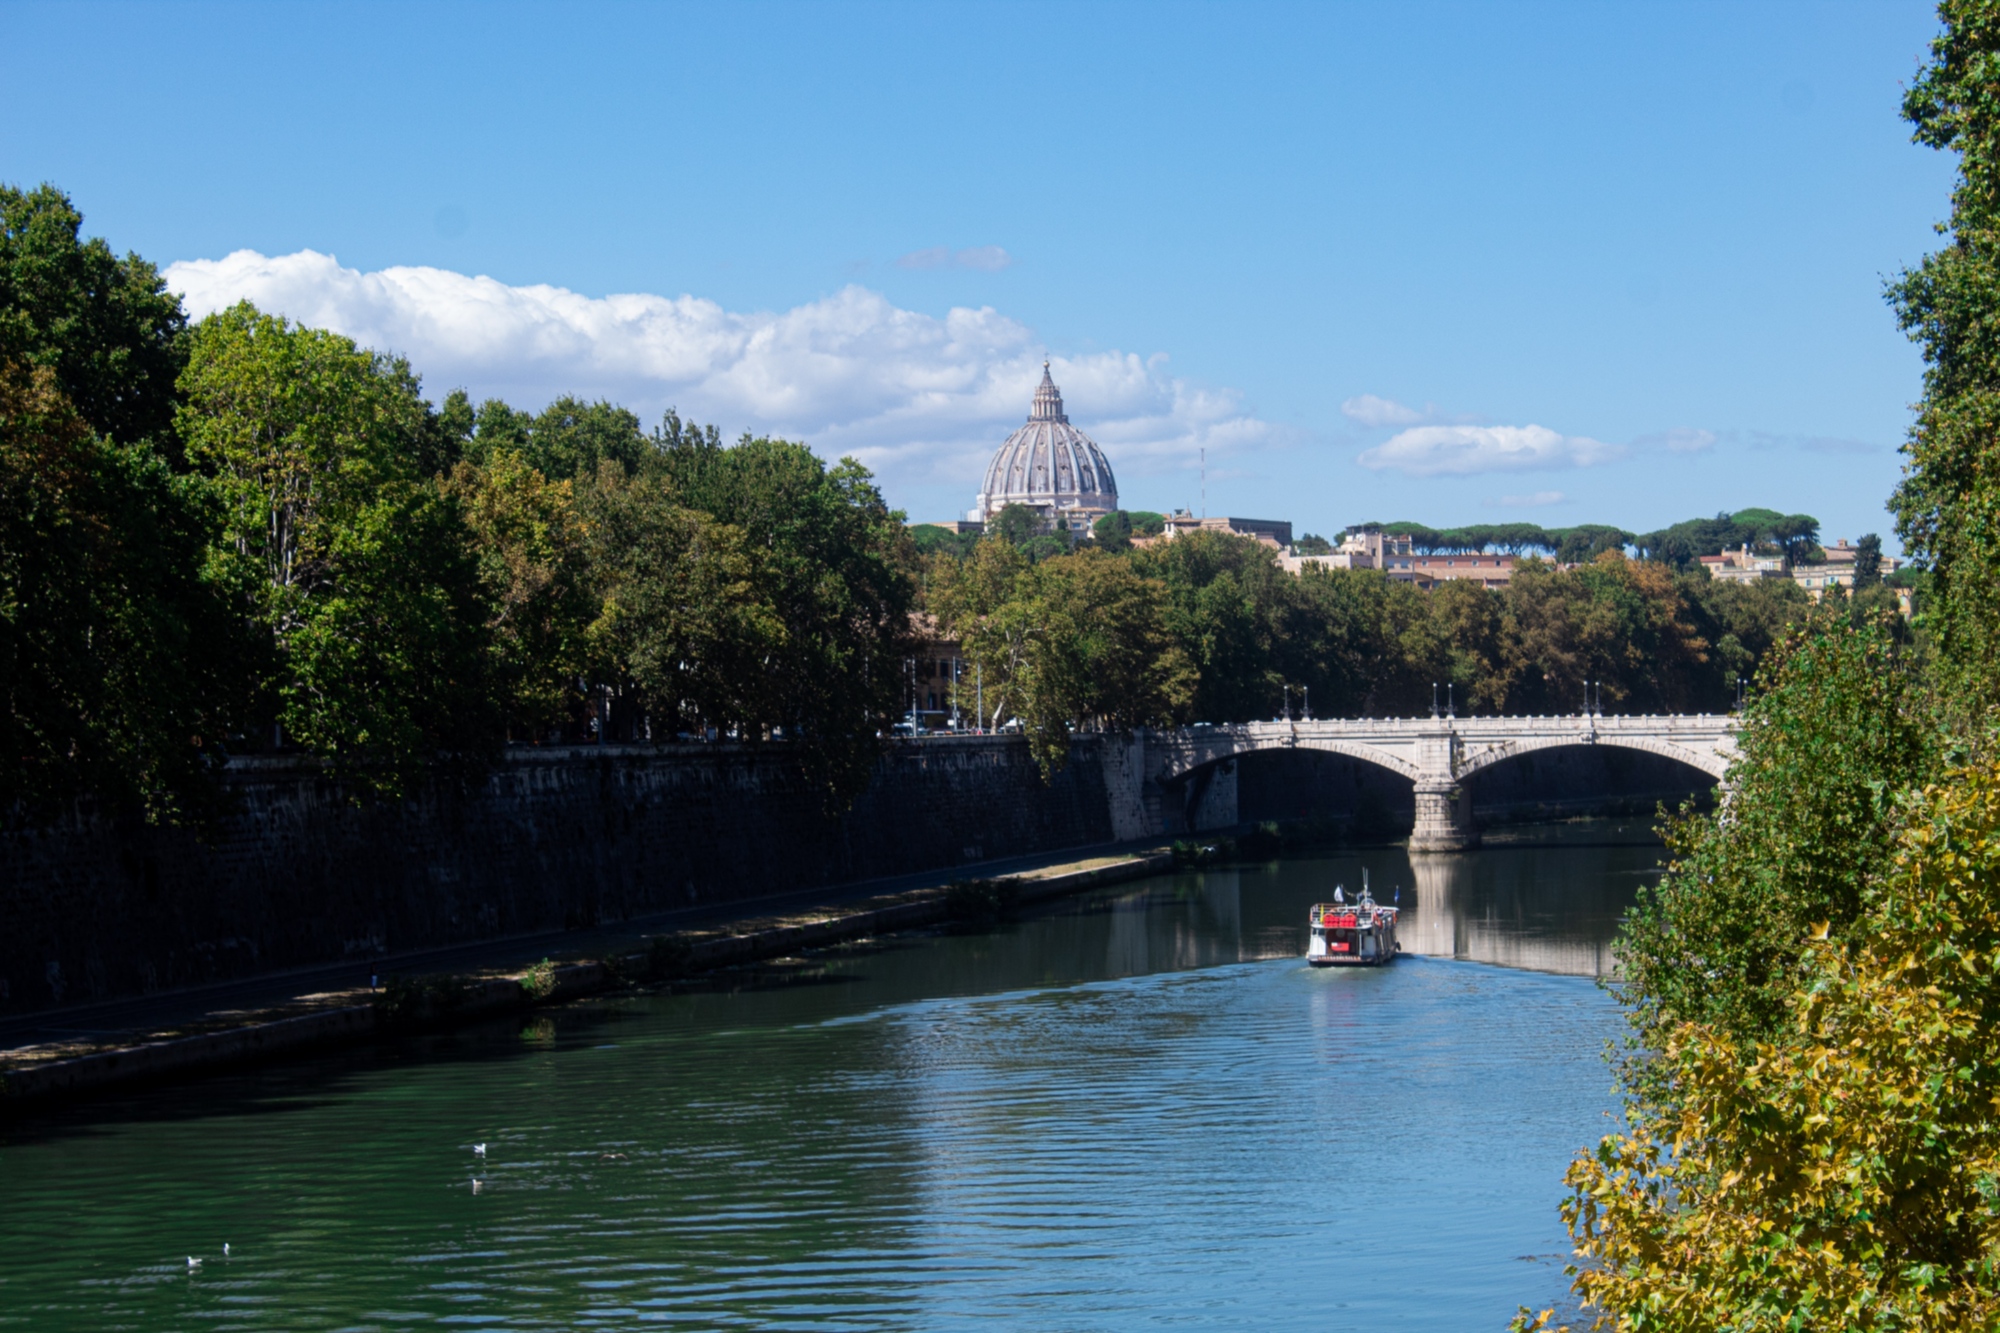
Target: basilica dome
(1048, 464)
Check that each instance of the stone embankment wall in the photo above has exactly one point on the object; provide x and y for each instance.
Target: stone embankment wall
(552, 839)
(301, 875)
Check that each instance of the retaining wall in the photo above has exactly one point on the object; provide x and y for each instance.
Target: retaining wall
(553, 838)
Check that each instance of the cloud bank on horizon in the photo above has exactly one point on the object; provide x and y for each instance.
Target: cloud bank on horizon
(919, 399)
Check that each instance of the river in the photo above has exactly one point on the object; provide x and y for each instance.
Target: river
(1133, 1110)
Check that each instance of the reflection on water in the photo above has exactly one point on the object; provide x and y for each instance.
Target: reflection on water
(1132, 1110)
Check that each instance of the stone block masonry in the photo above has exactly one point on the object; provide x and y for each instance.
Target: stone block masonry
(300, 875)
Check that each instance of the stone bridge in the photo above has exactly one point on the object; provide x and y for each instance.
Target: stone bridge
(1435, 754)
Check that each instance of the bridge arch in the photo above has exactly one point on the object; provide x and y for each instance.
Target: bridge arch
(1709, 762)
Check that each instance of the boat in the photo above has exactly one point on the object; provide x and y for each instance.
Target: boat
(1357, 934)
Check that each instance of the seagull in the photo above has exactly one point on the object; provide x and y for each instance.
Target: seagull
(478, 1150)
(225, 1249)
(193, 1263)
(475, 1184)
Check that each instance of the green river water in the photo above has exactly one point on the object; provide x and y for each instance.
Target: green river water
(1137, 1109)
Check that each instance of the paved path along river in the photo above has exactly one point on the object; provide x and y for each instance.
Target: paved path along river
(1132, 1110)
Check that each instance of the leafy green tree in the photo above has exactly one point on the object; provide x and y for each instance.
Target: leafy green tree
(1313, 544)
(1015, 524)
(1838, 725)
(1867, 561)
(836, 567)
(122, 666)
(1228, 602)
(1948, 505)
(930, 539)
(107, 328)
(367, 583)
(1620, 623)
(1743, 622)
(537, 575)
(1074, 642)
(681, 618)
(1113, 531)
(1839, 1171)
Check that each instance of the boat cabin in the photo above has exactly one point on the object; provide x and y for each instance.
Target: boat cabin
(1357, 934)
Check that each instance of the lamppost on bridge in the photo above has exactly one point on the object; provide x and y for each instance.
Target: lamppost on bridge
(1309, 701)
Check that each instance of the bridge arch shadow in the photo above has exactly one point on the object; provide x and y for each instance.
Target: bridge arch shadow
(1373, 800)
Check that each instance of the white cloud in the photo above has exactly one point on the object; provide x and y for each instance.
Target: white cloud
(1429, 451)
(1372, 411)
(921, 399)
(990, 258)
(1539, 500)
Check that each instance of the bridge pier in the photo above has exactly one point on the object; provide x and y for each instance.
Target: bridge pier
(1444, 819)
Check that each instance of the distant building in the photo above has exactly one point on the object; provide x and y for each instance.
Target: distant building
(1272, 532)
(1742, 566)
(1386, 551)
(1050, 467)
(1838, 570)
(1489, 571)
(1390, 552)
(928, 678)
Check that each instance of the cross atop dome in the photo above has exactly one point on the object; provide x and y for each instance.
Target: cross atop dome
(1048, 400)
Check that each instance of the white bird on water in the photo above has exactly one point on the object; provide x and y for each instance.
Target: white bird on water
(225, 1249)
(478, 1150)
(193, 1263)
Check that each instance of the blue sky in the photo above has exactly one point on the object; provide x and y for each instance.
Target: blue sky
(1569, 263)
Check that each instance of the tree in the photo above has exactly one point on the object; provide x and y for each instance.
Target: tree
(122, 667)
(536, 573)
(1015, 524)
(366, 581)
(1078, 641)
(681, 619)
(1313, 544)
(1867, 561)
(1227, 601)
(836, 567)
(1840, 1172)
(107, 328)
(1113, 531)
(930, 539)
(1947, 506)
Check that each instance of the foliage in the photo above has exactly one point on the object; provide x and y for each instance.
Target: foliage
(538, 983)
(1839, 724)
(1621, 624)
(834, 567)
(118, 650)
(1948, 505)
(368, 589)
(930, 539)
(1226, 601)
(1313, 544)
(568, 439)
(681, 619)
(1867, 561)
(1845, 1172)
(537, 579)
(1074, 641)
(107, 328)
